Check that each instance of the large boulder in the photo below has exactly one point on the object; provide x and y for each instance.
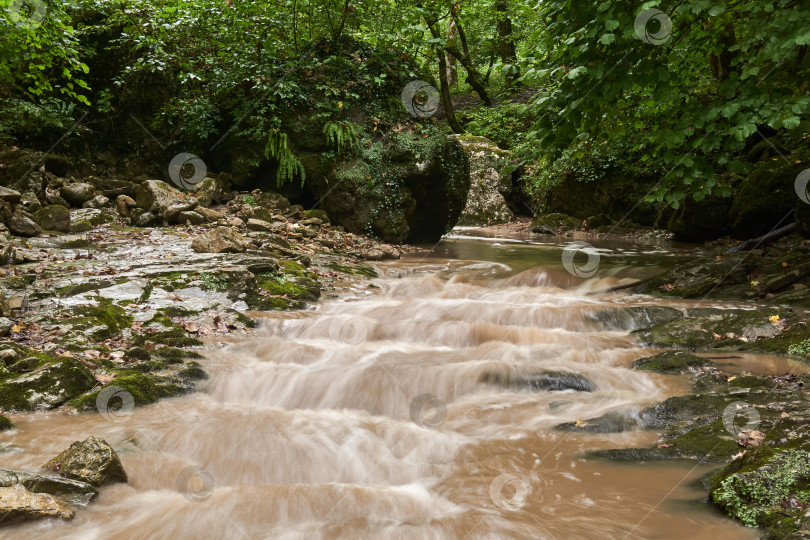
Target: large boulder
(404, 188)
(156, 196)
(53, 218)
(19, 504)
(766, 196)
(46, 387)
(92, 461)
(220, 240)
(22, 224)
(77, 194)
(490, 182)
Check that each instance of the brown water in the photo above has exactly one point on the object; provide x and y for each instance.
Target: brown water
(366, 418)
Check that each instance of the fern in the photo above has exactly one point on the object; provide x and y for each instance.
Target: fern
(279, 149)
(344, 136)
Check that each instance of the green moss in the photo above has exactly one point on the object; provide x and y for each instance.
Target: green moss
(19, 282)
(5, 423)
(171, 353)
(176, 337)
(670, 362)
(193, 371)
(293, 268)
(49, 386)
(144, 389)
(114, 317)
(247, 321)
(77, 243)
(355, 269)
(755, 493)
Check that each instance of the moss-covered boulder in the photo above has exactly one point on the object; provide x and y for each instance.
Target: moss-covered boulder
(408, 187)
(490, 182)
(769, 488)
(765, 196)
(47, 387)
(5, 423)
(554, 223)
(53, 218)
(93, 461)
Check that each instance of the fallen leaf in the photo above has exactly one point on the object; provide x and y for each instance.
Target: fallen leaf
(581, 423)
(750, 437)
(665, 445)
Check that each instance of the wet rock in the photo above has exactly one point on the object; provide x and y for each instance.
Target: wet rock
(490, 182)
(77, 194)
(612, 422)
(259, 225)
(220, 240)
(547, 381)
(208, 214)
(92, 461)
(5, 423)
(124, 204)
(47, 387)
(9, 195)
(730, 329)
(99, 201)
(22, 224)
(767, 488)
(156, 196)
(192, 217)
(636, 317)
(72, 491)
(19, 504)
(53, 218)
(671, 362)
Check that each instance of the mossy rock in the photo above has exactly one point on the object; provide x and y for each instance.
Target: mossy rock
(53, 218)
(176, 337)
(49, 386)
(5, 423)
(193, 371)
(354, 269)
(143, 387)
(671, 362)
(554, 224)
(174, 354)
(766, 195)
(113, 317)
(766, 487)
(549, 381)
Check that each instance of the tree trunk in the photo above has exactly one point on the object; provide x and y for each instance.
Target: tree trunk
(473, 77)
(506, 43)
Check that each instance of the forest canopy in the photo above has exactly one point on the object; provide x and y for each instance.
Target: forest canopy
(677, 91)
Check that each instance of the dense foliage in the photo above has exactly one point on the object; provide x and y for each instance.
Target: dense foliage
(676, 91)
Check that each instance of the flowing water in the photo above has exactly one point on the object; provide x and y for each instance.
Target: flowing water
(371, 417)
